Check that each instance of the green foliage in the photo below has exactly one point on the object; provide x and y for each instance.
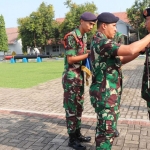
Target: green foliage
(3, 35)
(135, 15)
(72, 18)
(39, 27)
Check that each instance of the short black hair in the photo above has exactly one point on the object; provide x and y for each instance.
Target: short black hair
(100, 23)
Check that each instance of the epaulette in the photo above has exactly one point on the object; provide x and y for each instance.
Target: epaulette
(78, 33)
(73, 33)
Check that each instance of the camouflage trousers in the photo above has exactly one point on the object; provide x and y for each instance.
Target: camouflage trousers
(148, 109)
(73, 104)
(106, 124)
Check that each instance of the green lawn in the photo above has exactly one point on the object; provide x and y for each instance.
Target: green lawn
(24, 75)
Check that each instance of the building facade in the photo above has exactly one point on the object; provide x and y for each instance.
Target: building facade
(15, 44)
(122, 27)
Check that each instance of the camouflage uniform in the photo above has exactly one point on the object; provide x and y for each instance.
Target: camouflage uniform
(73, 81)
(106, 88)
(119, 38)
(145, 91)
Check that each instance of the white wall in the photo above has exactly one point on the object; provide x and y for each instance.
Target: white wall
(17, 47)
(49, 50)
(122, 27)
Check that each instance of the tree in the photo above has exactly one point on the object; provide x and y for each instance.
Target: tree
(3, 36)
(39, 27)
(135, 15)
(72, 18)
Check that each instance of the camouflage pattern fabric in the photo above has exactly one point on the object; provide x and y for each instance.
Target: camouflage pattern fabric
(145, 91)
(148, 109)
(105, 90)
(119, 38)
(73, 81)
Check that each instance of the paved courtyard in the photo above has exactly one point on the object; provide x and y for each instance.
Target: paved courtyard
(33, 118)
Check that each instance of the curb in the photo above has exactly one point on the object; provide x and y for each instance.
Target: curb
(140, 122)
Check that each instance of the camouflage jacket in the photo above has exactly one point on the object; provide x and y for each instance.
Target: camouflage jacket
(72, 72)
(119, 38)
(145, 91)
(107, 77)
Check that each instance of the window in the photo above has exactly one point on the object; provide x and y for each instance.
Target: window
(55, 48)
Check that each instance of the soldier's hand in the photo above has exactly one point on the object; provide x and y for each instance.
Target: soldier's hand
(142, 51)
(88, 51)
(148, 45)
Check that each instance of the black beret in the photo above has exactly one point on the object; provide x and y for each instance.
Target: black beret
(146, 12)
(88, 16)
(107, 17)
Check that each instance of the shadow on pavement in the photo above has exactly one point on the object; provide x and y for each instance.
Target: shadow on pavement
(22, 132)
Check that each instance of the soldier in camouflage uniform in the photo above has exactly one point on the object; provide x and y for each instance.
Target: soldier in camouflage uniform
(107, 57)
(145, 91)
(119, 38)
(76, 51)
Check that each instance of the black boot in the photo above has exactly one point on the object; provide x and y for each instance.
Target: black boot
(82, 138)
(116, 133)
(74, 143)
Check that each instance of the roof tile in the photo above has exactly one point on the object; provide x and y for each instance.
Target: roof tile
(12, 35)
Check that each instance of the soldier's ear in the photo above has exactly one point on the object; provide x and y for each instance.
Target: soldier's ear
(104, 25)
(80, 21)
